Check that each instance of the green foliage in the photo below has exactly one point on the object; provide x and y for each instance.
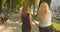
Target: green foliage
(22, 2)
(18, 3)
(25, 2)
(35, 2)
(4, 1)
(56, 26)
(34, 17)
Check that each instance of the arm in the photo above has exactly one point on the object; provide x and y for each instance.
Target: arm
(20, 21)
(31, 24)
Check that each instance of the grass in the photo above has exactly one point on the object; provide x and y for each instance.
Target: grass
(56, 26)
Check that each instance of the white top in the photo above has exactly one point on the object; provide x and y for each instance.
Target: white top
(46, 22)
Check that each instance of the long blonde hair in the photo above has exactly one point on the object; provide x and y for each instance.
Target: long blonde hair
(25, 10)
(43, 10)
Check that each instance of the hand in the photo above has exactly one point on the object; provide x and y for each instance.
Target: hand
(20, 22)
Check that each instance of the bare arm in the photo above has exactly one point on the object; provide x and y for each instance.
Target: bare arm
(31, 24)
(20, 21)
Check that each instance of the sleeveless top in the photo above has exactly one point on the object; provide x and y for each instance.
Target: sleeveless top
(26, 19)
(45, 22)
(26, 23)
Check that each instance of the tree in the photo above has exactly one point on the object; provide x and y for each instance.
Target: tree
(8, 6)
(34, 4)
(48, 2)
(0, 6)
(16, 4)
(12, 5)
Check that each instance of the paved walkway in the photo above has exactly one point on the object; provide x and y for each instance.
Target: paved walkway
(11, 26)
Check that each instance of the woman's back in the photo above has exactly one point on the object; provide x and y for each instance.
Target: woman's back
(25, 18)
(26, 23)
(47, 21)
(44, 15)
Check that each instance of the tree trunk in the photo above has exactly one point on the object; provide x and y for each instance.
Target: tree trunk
(34, 9)
(48, 2)
(33, 6)
(30, 4)
(13, 5)
(0, 6)
(8, 6)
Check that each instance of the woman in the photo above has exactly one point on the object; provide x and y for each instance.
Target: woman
(26, 20)
(44, 16)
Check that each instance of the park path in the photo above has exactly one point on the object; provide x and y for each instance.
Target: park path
(13, 25)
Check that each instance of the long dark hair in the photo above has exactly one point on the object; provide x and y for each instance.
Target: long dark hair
(25, 10)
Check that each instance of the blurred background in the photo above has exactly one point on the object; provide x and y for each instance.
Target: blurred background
(12, 10)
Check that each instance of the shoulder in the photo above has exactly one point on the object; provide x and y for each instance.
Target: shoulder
(30, 16)
(49, 12)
